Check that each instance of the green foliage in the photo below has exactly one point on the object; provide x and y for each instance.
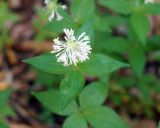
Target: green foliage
(70, 87)
(100, 21)
(4, 97)
(47, 63)
(118, 32)
(88, 29)
(141, 26)
(2, 125)
(5, 17)
(47, 79)
(5, 109)
(38, 25)
(152, 8)
(5, 14)
(115, 45)
(103, 117)
(89, 110)
(137, 60)
(100, 64)
(52, 99)
(58, 26)
(121, 6)
(148, 85)
(61, 102)
(82, 10)
(75, 121)
(99, 92)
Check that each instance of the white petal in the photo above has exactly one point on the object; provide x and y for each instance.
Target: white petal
(81, 36)
(58, 16)
(46, 1)
(51, 16)
(72, 50)
(149, 1)
(69, 35)
(63, 7)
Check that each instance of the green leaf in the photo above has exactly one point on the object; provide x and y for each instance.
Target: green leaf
(71, 87)
(4, 95)
(88, 29)
(94, 94)
(2, 125)
(152, 8)
(52, 100)
(101, 39)
(116, 20)
(159, 124)
(116, 44)
(6, 110)
(104, 117)
(101, 23)
(99, 64)
(58, 26)
(47, 80)
(141, 26)
(6, 14)
(127, 81)
(82, 10)
(137, 60)
(120, 6)
(47, 63)
(147, 85)
(75, 121)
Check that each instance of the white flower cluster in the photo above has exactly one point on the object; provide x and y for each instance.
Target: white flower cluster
(149, 1)
(72, 50)
(52, 6)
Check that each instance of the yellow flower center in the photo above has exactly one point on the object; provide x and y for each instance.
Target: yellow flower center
(72, 45)
(52, 5)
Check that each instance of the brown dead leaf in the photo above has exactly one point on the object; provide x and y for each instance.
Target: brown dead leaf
(139, 123)
(15, 4)
(4, 85)
(22, 31)
(158, 107)
(2, 75)
(36, 46)
(12, 58)
(15, 125)
(145, 123)
(1, 60)
(155, 23)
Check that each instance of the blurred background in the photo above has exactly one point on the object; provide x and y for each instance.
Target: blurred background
(22, 35)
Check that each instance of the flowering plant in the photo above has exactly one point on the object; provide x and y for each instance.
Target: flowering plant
(82, 53)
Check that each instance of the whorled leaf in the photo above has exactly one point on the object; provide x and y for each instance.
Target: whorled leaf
(120, 6)
(47, 63)
(103, 117)
(75, 121)
(70, 87)
(52, 100)
(99, 64)
(93, 95)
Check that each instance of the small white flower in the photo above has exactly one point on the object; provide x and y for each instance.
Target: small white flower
(149, 1)
(72, 50)
(46, 1)
(52, 7)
